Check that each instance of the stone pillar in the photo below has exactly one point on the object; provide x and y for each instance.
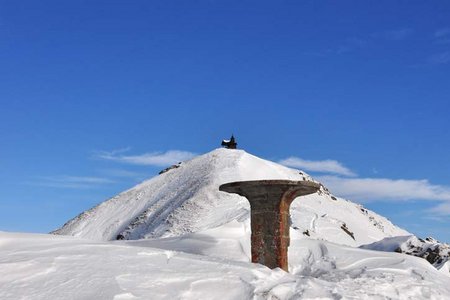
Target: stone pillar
(269, 209)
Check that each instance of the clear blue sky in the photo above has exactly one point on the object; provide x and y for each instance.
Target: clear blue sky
(363, 83)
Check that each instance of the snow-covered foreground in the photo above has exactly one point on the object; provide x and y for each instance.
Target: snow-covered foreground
(176, 236)
(213, 264)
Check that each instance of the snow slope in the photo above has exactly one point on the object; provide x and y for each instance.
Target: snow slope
(433, 251)
(206, 265)
(187, 199)
(176, 236)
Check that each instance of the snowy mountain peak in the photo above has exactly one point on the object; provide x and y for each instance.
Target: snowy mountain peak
(204, 249)
(186, 198)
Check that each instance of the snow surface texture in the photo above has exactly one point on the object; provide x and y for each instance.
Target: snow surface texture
(183, 239)
(434, 252)
(206, 265)
(187, 199)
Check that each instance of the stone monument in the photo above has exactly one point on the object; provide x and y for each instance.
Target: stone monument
(269, 209)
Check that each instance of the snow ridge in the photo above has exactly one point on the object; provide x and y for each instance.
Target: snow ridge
(187, 199)
(435, 252)
(181, 238)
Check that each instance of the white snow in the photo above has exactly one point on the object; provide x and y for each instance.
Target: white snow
(390, 244)
(206, 265)
(183, 239)
(187, 199)
(445, 269)
(435, 252)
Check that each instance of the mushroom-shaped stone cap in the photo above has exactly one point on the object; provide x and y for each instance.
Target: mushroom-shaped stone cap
(254, 187)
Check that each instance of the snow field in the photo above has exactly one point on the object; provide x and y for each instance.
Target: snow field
(181, 238)
(207, 265)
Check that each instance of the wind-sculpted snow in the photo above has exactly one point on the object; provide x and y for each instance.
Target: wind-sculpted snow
(181, 238)
(433, 251)
(206, 265)
(187, 199)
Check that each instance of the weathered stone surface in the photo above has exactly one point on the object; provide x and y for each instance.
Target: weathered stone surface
(269, 208)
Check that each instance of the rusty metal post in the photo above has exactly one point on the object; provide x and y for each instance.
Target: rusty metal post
(269, 209)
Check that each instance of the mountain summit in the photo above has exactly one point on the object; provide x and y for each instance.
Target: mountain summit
(181, 238)
(186, 198)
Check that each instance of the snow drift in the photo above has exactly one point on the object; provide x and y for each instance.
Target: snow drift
(176, 236)
(206, 265)
(433, 251)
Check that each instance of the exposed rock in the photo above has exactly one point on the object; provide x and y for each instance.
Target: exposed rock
(435, 252)
(170, 168)
(347, 231)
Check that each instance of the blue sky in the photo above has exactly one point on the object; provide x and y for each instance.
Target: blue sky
(98, 95)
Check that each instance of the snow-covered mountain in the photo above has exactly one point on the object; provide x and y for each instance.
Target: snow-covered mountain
(176, 236)
(186, 198)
